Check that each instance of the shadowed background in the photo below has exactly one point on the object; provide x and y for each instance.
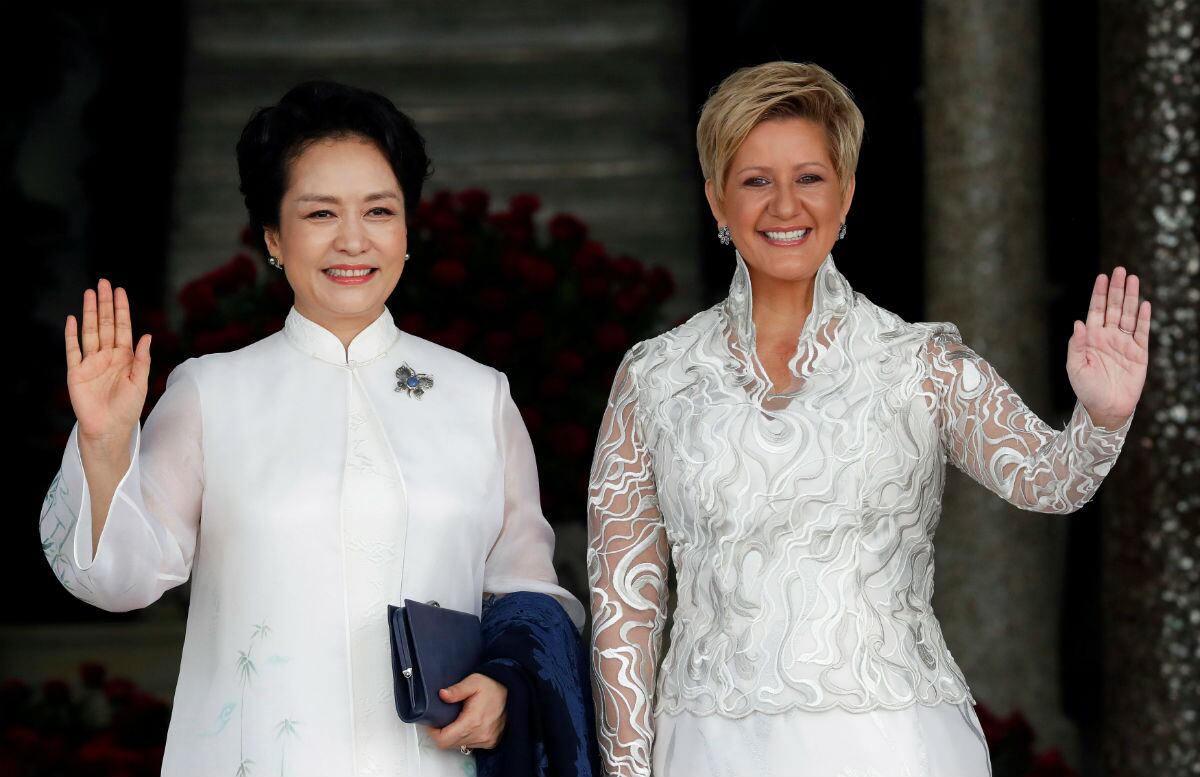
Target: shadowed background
(1012, 151)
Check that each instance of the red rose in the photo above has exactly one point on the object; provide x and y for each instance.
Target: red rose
(443, 222)
(565, 228)
(154, 321)
(568, 439)
(448, 338)
(159, 384)
(552, 386)
(531, 325)
(207, 342)
(633, 300)
(421, 216)
(492, 300)
(456, 336)
(413, 323)
(611, 336)
(594, 286)
(119, 690)
(537, 273)
(1051, 764)
(524, 205)
(443, 200)
(279, 292)
(245, 270)
(533, 419)
(448, 272)
(590, 257)
(516, 233)
(569, 363)
(473, 202)
(198, 299)
(627, 268)
(498, 344)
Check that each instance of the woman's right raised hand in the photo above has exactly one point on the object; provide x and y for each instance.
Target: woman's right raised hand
(107, 379)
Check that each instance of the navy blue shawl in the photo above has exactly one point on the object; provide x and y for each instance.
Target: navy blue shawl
(531, 647)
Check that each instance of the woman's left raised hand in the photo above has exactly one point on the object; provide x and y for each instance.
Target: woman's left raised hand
(481, 721)
(1107, 355)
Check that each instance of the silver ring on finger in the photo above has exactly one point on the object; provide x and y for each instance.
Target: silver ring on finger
(464, 749)
(1123, 329)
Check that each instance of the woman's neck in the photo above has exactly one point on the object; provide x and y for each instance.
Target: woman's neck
(780, 306)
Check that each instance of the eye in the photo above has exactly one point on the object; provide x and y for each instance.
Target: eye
(381, 211)
(810, 178)
(757, 180)
(320, 215)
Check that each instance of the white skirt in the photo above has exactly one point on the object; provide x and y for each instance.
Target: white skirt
(944, 740)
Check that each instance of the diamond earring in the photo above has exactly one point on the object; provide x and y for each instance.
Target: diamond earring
(842, 231)
(724, 235)
(274, 263)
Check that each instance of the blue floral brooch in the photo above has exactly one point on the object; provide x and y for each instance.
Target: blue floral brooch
(412, 382)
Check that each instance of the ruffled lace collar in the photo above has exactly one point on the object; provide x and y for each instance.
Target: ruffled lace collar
(315, 340)
(833, 297)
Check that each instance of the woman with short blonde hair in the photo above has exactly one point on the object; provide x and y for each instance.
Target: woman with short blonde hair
(785, 450)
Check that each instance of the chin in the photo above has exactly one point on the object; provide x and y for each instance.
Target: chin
(791, 268)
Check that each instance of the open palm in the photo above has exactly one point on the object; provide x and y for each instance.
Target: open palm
(107, 378)
(1107, 355)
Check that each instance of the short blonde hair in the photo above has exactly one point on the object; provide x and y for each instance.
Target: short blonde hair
(777, 90)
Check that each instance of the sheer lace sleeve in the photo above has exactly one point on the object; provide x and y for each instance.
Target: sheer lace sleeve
(627, 569)
(989, 433)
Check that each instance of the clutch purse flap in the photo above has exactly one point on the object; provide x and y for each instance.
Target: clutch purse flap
(432, 648)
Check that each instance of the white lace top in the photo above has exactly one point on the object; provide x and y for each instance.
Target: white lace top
(800, 525)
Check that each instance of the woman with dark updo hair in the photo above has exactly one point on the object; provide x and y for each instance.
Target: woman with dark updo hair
(340, 465)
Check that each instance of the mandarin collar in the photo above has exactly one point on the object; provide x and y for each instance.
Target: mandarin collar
(832, 297)
(315, 340)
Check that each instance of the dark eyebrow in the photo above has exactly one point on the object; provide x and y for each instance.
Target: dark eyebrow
(796, 166)
(330, 199)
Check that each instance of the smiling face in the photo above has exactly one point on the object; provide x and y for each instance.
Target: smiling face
(783, 200)
(342, 234)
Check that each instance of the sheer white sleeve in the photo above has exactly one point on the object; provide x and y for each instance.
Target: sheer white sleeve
(149, 535)
(989, 433)
(522, 558)
(627, 569)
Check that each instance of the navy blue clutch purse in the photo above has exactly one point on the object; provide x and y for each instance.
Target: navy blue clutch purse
(432, 648)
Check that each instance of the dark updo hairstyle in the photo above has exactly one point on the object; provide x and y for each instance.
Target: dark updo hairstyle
(321, 110)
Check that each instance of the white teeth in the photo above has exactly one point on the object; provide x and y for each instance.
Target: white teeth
(795, 234)
(347, 273)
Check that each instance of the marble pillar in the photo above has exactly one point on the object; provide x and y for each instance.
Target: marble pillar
(1150, 143)
(999, 569)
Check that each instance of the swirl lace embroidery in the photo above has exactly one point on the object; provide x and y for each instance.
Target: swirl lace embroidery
(800, 524)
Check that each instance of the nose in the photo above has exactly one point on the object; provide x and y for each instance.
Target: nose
(785, 203)
(351, 237)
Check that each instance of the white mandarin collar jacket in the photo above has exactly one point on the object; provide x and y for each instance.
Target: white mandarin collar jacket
(302, 493)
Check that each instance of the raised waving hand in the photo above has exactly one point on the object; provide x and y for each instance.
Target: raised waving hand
(1107, 355)
(107, 378)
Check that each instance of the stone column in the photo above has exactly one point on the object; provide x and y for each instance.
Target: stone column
(1150, 142)
(998, 568)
